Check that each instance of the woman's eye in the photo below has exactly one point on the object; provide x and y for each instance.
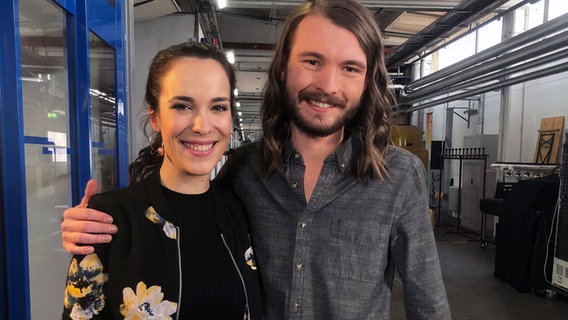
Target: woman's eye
(179, 106)
(220, 107)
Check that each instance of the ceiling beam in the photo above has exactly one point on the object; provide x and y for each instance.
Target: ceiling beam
(374, 4)
(462, 14)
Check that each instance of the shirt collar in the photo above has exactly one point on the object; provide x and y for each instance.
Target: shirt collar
(342, 156)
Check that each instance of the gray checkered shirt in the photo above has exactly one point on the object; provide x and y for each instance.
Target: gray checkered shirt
(335, 256)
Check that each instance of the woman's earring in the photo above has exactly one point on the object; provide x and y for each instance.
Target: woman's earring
(159, 150)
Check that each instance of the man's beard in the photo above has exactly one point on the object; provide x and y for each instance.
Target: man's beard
(310, 126)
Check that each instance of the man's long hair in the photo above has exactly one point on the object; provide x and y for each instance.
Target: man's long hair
(371, 124)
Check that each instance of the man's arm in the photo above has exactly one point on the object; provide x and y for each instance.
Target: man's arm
(82, 225)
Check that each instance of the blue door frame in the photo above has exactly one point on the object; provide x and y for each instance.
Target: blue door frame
(100, 17)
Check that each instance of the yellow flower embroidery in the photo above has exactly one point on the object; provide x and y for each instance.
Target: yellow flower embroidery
(153, 216)
(168, 227)
(84, 290)
(146, 304)
(249, 258)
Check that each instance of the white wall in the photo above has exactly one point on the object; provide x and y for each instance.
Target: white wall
(529, 103)
(150, 37)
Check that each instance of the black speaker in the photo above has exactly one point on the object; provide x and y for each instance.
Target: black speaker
(562, 232)
(435, 153)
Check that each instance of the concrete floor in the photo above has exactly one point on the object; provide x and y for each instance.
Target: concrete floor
(474, 293)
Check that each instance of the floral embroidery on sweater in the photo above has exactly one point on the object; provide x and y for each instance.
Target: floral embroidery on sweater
(146, 303)
(84, 289)
(168, 227)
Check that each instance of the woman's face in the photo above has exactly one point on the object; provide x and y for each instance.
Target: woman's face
(194, 116)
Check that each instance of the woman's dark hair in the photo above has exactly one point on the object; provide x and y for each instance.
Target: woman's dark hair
(371, 124)
(149, 158)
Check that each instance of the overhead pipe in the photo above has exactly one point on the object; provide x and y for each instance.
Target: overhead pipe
(499, 85)
(529, 52)
(537, 62)
(473, 29)
(552, 26)
(463, 14)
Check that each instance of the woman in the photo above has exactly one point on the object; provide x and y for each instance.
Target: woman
(183, 249)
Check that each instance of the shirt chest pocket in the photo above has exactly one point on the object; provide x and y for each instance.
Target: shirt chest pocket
(356, 250)
(359, 233)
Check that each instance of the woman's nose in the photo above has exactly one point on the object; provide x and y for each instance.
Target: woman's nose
(201, 124)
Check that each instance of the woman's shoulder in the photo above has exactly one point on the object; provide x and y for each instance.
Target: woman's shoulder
(114, 199)
(224, 194)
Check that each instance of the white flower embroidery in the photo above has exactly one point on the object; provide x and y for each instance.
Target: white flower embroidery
(170, 230)
(146, 304)
(249, 258)
(168, 227)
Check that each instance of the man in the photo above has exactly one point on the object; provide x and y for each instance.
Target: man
(334, 210)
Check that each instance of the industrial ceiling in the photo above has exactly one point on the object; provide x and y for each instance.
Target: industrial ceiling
(251, 27)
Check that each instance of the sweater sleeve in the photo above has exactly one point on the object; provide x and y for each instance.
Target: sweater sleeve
(413, 249)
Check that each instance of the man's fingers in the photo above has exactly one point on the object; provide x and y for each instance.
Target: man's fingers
(85, 227)
(73, 249)
(91, 189)
(84, 215)
(70, 240)
(75, 238)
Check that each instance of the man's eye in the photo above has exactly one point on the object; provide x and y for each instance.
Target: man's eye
(311, 62)
(352, 69)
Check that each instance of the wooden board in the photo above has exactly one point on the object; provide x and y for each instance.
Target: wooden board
(549, 140)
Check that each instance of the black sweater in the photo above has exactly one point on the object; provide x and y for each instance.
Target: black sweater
(141, 266)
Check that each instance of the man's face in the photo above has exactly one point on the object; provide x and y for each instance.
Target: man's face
(325, 76)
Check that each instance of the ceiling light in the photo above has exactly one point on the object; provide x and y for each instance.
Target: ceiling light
(230, 54)
(221, 4)
(236, 92)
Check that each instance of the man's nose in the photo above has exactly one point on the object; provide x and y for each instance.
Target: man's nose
(328, 81)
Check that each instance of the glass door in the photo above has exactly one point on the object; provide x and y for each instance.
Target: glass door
(102, 61)
(62, 118)
(46, 108)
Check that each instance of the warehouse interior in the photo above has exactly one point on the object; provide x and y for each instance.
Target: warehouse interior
(481, 100)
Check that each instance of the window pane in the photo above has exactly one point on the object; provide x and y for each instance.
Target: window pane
(556, 8)
(46, 128)
(457, 51)
(489, 35)
(529, 16)
(103, 112)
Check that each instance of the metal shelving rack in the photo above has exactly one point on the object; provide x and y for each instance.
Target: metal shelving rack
(461, 154)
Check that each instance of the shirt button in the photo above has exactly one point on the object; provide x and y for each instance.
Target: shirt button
(299, 266)
(294, 184)
(296, 306)
(296, 156)
(342, 166)
(303, 225)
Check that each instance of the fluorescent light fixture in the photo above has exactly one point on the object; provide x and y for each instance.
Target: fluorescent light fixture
(238, 104)
(221, 4)
(230, 54)
(236, 92)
